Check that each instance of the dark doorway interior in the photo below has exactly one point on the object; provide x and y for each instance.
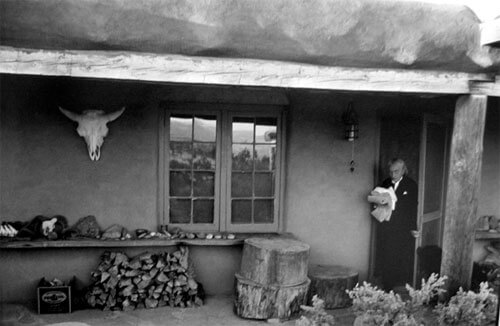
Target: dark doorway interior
(394, 247)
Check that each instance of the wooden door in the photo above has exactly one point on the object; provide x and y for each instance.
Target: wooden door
(432, 180)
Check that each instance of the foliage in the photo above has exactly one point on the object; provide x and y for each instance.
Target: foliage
(469, 308)
(379, 308)
(315, 315)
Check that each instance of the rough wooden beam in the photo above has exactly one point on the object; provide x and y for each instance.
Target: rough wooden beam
(463, 189)
(485, 88)
(226, 71)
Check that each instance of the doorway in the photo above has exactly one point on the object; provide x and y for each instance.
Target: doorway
(421, 140)
(394, 248)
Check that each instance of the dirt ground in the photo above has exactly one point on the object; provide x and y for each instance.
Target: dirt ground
(217, 310)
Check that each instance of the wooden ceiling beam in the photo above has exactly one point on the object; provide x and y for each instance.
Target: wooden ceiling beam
(239, 72)
(485, 88)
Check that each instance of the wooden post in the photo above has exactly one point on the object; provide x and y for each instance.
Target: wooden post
(463, 190)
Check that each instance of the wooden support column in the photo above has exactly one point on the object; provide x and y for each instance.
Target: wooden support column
(463, 190)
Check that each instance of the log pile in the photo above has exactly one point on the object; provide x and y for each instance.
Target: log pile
(144, 281)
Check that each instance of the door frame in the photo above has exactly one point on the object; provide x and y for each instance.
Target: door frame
(421, 217)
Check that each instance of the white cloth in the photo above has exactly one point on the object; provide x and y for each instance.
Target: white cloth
(391, 193)
(385, 202)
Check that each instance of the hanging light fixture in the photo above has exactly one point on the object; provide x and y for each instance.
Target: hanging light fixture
(351, 130)
(350, 119)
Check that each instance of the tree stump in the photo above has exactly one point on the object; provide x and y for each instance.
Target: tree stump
(275, 261)
(257, 301)
(330, 283)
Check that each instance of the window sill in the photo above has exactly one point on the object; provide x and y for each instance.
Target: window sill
(96, 243)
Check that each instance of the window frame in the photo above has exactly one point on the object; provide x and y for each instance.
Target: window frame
(251, 227)
(224, 113)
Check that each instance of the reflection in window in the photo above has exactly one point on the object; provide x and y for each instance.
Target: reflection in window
(192, 149)
(253, 169)
(242, 157)
(243, 130)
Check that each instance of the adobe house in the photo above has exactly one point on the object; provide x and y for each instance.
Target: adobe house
(422, 83)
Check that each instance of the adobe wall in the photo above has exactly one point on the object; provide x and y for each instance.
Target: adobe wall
(45, 169)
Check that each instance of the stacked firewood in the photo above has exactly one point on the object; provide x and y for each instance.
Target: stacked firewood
(146, 280)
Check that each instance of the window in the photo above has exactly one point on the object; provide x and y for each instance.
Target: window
(222, 167)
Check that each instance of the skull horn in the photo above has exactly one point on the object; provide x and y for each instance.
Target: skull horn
(71, 115)
(114, 115)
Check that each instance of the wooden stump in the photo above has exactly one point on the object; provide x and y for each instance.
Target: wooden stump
(330, 283)
(257, 301)
(275, 261)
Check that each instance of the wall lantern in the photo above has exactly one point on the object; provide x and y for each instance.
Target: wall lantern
(351, 130)
(350, 119)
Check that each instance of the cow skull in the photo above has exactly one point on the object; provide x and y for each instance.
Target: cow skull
(92, 127)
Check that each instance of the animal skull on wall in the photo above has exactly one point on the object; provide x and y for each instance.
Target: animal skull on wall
(92, 127)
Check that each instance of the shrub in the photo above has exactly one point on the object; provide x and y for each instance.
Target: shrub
(379, 308)
(469, 308)
(375, 307)
(315, 315)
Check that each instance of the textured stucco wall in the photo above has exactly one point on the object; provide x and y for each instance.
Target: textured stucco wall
(21, 270)
(45, 166)
(325, 202)
(366, 33)
(45, 169)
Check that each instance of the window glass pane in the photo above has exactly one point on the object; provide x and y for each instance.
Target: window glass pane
(434, 166)
(193, 148)
(241, 185)
(264, 211)
(181, 128)
(204, 156)
(180, 210)
(204, 183)
(242, 157)
(204, 128)
(430, 232)
(180, 183)
(241, 211)
(243, 130)
(264, 184)
(180, 155)
(265, 157)
(265, 130)
(203, 211)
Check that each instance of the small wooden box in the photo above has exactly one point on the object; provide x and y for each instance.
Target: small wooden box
(54, 299)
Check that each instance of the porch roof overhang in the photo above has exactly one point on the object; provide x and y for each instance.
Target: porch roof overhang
(361, 45)
(168, 68)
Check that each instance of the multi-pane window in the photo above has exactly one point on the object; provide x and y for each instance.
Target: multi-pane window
(192, 164)
(253, 170)
(222, 169)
